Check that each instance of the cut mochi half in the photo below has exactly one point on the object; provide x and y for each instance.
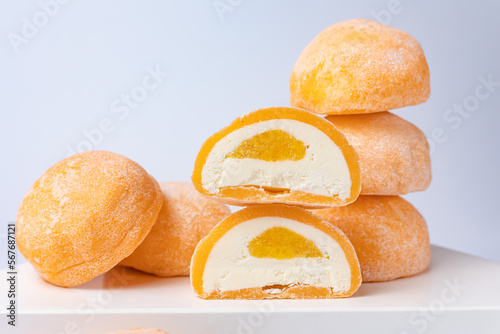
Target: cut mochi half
(279, 155)
(274, 251)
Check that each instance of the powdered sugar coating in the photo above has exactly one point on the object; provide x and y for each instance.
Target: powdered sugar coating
(360, 66)
(185, 218)
(393, 153)
(389, 235)
(84, 215)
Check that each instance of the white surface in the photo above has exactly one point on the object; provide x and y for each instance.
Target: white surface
(70, 76)
(322, 171)
(459, 294)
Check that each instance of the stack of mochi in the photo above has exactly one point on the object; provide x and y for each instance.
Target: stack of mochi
(354, 72)
(281, 161)
(306, 231)
(278, 162)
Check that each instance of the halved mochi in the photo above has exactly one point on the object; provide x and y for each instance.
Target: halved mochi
(274, 251)
(279, 155)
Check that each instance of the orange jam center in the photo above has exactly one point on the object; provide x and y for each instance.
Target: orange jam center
(282, 244)
(271, 145)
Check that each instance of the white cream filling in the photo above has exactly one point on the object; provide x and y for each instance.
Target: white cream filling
(231, 267)
(323, 171)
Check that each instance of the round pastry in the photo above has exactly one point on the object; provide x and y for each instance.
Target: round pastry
(274, 251)
(360, 66)
(278, 155)
(185, 218)
(393, 153)
(140, 331)
(84, 215)
(389, 235)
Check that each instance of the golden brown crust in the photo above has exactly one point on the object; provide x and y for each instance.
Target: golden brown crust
(292, 292)
(389, 235)
(243, 196)
(185, 218)
(360, 66)
(393, 153)
(84, 215)
(205, 246)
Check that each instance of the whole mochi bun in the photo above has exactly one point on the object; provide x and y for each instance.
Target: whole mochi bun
(84, 215)
(360, 66)
(394, 155)
(185, 218)
(389, 235)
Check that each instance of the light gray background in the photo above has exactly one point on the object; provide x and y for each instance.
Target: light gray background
(64, 79)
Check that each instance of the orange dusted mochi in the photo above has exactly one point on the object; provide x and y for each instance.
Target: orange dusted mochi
(393, 154)
(389, 235)
(185, 218)
(140, 331)
(84, 215)
(278, 155)
(274, 251)
(360, 66)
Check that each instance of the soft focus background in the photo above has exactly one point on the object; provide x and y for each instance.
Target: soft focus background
(77, 75)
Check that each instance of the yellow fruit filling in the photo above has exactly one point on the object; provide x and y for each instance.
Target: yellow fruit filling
(282, 244)
(271, 145)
